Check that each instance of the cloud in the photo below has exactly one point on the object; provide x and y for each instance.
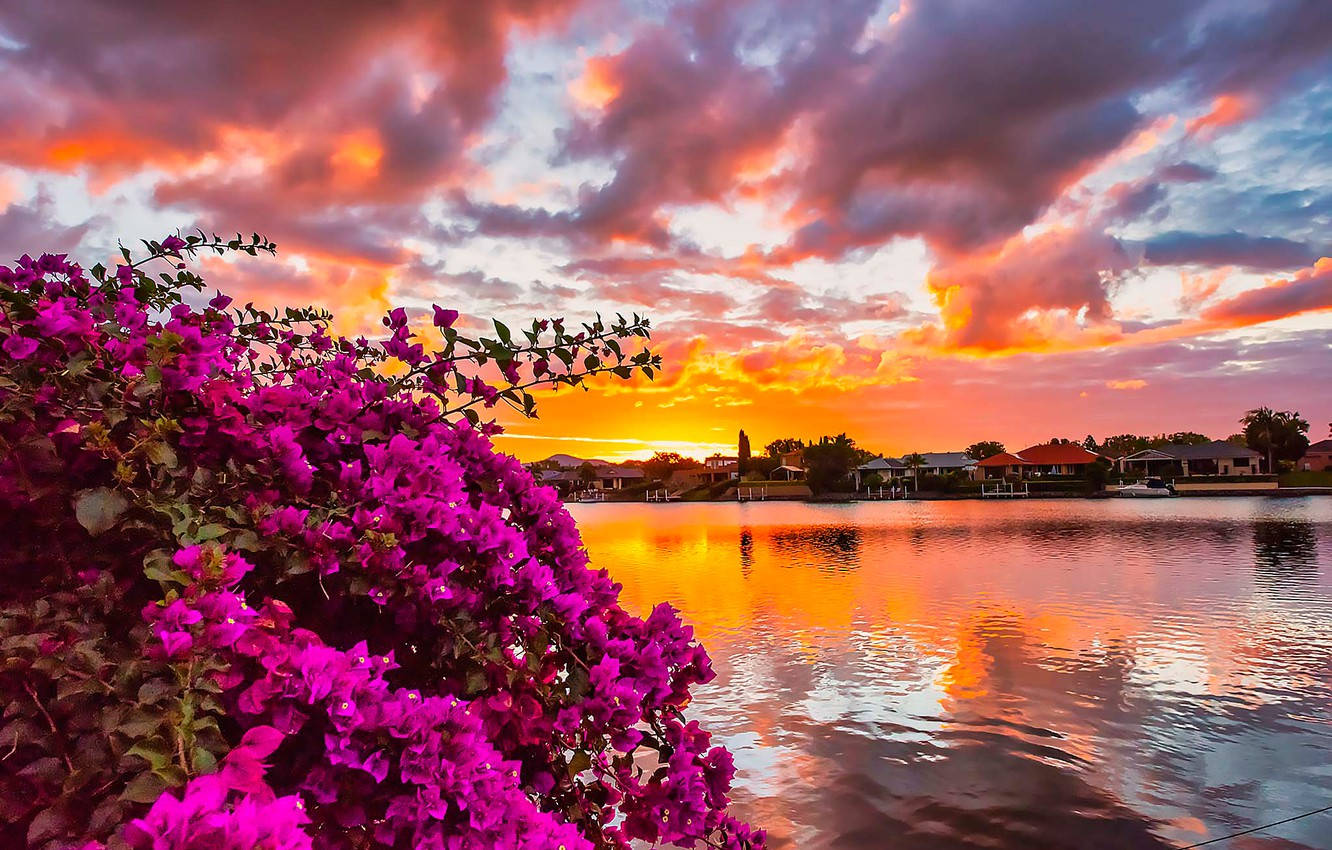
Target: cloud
(1308, 291)
(1129, 384)
(313, 125)
(1010, 166)
(32, 227)
(1227, 109)
(1129, 201)
(1186, 172)
(1227, 249)
(1196, 289)
(356, 294)
(1029, 291)
(855, 132)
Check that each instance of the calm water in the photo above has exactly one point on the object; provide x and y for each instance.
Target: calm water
(1047, 674)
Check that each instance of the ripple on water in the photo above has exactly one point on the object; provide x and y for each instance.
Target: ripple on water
(1024, 675)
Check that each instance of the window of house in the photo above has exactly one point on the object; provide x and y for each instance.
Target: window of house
(1240, 461)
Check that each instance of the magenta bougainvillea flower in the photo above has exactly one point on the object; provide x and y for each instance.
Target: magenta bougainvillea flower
(268, 588)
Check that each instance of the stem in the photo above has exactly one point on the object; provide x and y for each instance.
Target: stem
(50, 721)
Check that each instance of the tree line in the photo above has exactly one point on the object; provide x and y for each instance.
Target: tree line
(1280, 436)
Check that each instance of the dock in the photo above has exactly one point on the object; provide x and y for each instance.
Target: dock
(1005, 490)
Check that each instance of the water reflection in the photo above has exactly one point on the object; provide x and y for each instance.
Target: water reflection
(746, 551)
(1284, 550)
(1042, 675)
(835, 548)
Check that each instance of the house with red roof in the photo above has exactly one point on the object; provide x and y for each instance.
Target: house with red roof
(1039, 461)
(1001, 465)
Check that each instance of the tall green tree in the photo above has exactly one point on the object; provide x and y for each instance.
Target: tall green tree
(828, 463)
(660, 466)
(982, 449)
(1277, 434)
(1124, 444)
(1182, 438)
(783, 445)
(743, 452)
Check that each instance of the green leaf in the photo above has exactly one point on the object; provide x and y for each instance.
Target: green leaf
(154, 750)
(503, 330)
(247, 541)
(476, 682)
(202, 760)
(211, 531)
(145, 788)
(162, 454)
(98, 509)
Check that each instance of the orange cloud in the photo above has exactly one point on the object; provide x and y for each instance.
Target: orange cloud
(1129, 384)
(357, 156)
(1196, 289)
(1227, 109)
(597, 86)
(1310, 290)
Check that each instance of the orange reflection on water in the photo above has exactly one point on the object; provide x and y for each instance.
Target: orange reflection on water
(958, 672)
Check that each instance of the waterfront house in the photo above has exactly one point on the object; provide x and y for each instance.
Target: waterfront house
(884, 467)
(1317, 458)
(1039, 461)
(791, 466)
(1001, 465)
(1177, 459)
(567, 474)
(942, 463)
(1057, 459)
(718, 468)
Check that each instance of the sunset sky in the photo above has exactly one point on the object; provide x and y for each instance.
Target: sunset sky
(924, 223)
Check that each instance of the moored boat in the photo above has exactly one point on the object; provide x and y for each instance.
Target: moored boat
(1152, 488)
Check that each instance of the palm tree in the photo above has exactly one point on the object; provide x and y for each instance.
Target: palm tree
(1259, 428)
(914, 461)
(1274, 431)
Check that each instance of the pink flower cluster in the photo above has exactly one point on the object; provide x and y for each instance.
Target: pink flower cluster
(355, 583)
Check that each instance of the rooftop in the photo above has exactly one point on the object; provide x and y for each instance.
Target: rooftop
(947, 460)
(1215, 450)
(1056, 454)
(1002, 459)
(882, 463)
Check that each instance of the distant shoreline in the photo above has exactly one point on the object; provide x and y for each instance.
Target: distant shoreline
(842, 499)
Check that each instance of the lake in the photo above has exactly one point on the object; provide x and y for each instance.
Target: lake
(1034, 674)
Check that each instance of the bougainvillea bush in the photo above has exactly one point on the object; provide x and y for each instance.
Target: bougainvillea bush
(267, 588)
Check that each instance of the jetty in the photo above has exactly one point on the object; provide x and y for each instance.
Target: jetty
(1005, 490)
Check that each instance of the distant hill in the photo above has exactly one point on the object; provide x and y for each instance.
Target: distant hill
(565, 461)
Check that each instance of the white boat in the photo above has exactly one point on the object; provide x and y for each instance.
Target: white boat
(1152, 488)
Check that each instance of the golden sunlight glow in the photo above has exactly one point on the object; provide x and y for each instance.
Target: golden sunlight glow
(357, 156)
(597, 86)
